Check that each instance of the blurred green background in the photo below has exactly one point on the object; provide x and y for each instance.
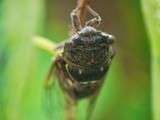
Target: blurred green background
(132, 87)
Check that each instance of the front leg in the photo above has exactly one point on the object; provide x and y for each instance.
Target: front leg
(49, 80)
(76, 23)
(96, 20)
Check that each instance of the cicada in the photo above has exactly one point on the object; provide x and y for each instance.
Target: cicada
(82, 62)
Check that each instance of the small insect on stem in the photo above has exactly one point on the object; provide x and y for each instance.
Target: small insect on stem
(82, 61)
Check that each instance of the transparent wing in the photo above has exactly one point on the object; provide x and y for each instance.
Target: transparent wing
(58, 105)
(53, 102)
(53, 99)
(52, 95)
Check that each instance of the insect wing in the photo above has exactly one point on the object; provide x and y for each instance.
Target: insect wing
(53, 102)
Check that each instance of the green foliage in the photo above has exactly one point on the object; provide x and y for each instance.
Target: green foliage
(151, 10)
(20, 84)
(23, 67)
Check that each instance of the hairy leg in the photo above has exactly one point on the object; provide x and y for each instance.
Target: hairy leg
(76, 24)
(94, 21)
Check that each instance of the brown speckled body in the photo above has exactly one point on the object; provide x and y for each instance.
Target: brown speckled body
(84, 61)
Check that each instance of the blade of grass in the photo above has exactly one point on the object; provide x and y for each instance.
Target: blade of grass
(151, 11)
(22, 20)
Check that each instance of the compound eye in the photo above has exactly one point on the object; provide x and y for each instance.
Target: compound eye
(78, 41)
(109, 39)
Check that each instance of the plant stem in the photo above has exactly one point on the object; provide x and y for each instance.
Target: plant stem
(82, 9)
(45, 44)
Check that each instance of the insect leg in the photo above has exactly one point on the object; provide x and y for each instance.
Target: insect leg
(49, 81)
(76, 24)
(111, 54)
(91, 106)
(70, 108)
(92, 102)
(94, 21)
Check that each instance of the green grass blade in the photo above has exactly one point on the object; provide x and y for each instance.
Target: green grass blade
(151, 11)
(22, 20)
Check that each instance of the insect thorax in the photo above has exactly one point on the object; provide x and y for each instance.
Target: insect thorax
(88, 49)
